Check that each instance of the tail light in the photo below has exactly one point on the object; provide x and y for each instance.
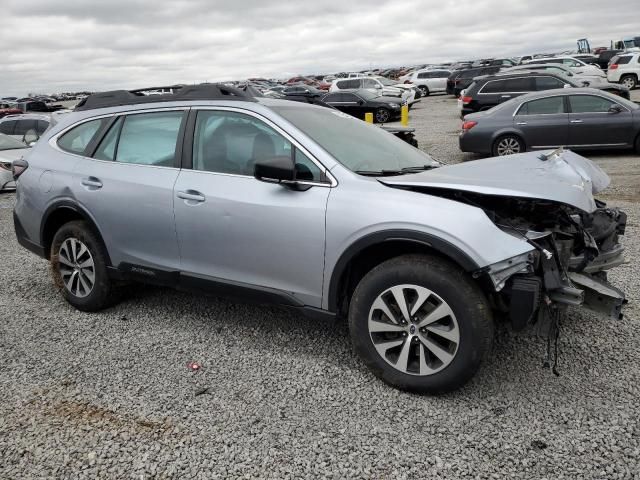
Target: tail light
(466, 99)
(613, 67)
(18, 167)
(468, 125)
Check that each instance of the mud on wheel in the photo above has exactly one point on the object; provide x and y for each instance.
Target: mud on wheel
(79, 267)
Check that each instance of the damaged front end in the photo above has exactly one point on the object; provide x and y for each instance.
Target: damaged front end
(572, 252)
(547, 200)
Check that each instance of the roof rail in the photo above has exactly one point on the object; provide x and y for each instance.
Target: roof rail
(203, 91)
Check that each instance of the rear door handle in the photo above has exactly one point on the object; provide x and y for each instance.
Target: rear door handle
(521, 123)
(191, 195)
(506, 96)
(92, 182)
(576, 121)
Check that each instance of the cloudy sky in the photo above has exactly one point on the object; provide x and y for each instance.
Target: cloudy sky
(50, 46)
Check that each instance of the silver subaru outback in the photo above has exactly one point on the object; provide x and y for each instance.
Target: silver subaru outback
(303, 206)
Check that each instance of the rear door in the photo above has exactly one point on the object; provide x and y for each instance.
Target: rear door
(127, 186)
(543, 122)
(591, 123)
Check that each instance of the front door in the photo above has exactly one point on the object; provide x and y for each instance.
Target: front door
(544, 122)
(238, 230)
(591, 123)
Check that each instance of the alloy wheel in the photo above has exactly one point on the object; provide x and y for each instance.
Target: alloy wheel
(382, 115)
(508, 146)
(77, 267)
(629, 82)
(414, 330)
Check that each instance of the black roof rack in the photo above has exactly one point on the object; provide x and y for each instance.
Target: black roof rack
(203, 91)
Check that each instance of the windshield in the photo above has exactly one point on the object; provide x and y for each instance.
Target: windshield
(8, 143)
(357, 145)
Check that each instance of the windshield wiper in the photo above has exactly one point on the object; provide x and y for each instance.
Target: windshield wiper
(388, 173)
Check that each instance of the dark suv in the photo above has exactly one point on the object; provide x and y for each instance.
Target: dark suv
(488, 91)
(461, 79)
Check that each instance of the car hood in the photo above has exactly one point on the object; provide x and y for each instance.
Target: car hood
(13, 154)
(560, 176)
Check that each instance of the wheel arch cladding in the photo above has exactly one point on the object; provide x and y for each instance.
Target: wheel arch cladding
(371, 250)
(61, 213)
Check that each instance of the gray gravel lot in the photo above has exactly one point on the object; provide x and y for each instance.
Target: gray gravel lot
(109, 395)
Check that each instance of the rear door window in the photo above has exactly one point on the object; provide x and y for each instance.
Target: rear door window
(548, 83)
(149, 138)
(493, 86)
(543, 106)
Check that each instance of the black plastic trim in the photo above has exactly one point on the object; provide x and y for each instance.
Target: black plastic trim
(97, 138)
(187, 140)
(246, 292)
(71, 205)
(428, 240)
(24, 240)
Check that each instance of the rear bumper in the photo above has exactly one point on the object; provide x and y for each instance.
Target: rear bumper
(25, 241)
(473, 143)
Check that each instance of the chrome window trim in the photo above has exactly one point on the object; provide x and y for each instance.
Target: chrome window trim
(515, 113)
(53, 141)
(332, 180)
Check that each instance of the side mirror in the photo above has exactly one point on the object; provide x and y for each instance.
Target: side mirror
(30, 138)
(275, 170)
(360, 102)
(615, 109)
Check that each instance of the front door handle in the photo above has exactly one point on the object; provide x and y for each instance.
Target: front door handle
(191, 195)
(506, 96)
(521, 123)
(576, 121)
(92, 183)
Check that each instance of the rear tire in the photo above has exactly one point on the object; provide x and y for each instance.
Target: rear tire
(79, 267)
(406, 352)
(507, 145)
(629, 81)
(424, 90)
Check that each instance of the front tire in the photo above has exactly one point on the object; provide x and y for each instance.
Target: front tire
(424, 90)
(420, 324)
(507, 145)
(79, 267)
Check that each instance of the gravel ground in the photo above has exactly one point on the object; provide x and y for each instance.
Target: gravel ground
(109, 395)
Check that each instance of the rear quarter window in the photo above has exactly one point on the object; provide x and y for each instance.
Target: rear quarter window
(77, 139)
(622, 60)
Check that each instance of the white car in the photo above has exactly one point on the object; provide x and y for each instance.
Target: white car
(576, 65)
(625, 69)
(17, 126)
(10, 150)
(379, 85)
(429, 81)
